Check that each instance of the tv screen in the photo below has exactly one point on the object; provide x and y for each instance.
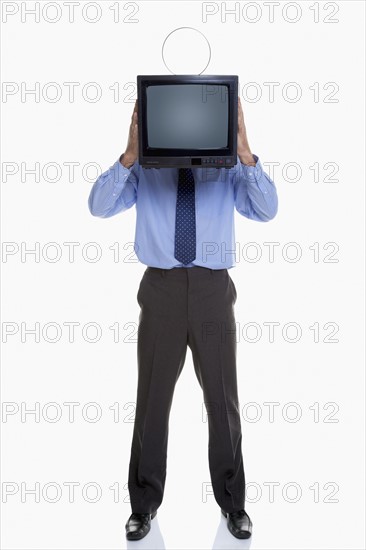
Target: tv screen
(179, 116)
(187, 120)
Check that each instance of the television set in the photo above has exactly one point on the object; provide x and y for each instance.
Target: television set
(187, 121)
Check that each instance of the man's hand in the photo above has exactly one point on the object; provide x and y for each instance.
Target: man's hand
(132, 150)
(244, 152)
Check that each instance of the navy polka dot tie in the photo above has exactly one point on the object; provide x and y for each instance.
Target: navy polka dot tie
(185, 221)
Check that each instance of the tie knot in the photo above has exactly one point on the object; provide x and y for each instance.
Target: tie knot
(185, 175)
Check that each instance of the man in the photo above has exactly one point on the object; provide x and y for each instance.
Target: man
(185, 236)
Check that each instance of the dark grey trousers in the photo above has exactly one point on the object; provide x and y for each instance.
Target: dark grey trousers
(191, 306)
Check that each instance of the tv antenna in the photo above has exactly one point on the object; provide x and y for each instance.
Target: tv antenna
(188, 40)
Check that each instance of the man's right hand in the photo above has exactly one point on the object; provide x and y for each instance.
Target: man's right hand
(132, 149)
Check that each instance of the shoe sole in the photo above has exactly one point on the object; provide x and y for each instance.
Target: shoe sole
(131, 536)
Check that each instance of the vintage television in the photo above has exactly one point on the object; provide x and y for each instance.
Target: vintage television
(187, 121)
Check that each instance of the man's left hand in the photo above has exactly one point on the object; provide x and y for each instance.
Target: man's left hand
(243, 148)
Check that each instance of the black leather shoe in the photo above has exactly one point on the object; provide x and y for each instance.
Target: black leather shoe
(239, 524)
(138, 525)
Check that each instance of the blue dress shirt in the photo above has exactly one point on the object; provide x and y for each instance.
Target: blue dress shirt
(154, 192)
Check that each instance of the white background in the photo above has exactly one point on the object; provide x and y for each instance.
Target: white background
(321, 457)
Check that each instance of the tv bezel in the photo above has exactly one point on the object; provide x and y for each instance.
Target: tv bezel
(225, 157)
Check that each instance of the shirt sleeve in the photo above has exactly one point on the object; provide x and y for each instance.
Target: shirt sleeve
(254, 191)
(114, 191)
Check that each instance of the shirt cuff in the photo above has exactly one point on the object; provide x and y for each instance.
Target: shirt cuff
(253, 174)
(120, 173)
